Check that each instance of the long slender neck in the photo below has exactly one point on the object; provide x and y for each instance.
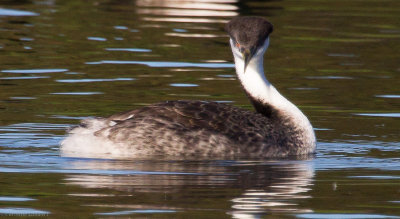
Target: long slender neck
(266, 98)
(261, 92)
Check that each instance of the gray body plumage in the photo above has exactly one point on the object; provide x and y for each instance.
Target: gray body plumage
(199, 129)
(207, 129)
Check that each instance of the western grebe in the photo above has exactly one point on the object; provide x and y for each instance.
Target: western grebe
(206, 129)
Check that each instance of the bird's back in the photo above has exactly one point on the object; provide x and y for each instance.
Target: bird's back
(184, 128)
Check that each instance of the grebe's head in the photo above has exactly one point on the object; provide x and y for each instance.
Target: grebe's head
(249, 37)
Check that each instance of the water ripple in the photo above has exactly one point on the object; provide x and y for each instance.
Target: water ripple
(183, 85)
(15, 199)
(34, 71)
(185, 20)
(77, 93)
(375, 177)
(348, 216)
(128, 49)
(120, 27)
(188, 12)
(97, 38)
(87, 80)
(24, 78)
(22, 211)
(17, 13)
(179, 30)
(26, 169)
(388, 96)
(198, 35)
(393, 115)
(328, 77)
(164, 64)
(22, 98)
(144, 211)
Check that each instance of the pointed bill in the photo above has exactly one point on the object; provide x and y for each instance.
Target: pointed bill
(247, 55)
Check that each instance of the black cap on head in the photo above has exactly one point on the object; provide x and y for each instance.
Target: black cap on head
(249, 32)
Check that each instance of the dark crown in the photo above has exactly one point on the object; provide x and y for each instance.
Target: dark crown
(249, 32)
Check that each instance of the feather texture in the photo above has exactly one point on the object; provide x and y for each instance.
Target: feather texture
(188, 128)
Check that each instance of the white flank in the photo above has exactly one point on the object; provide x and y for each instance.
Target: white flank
(83, 142)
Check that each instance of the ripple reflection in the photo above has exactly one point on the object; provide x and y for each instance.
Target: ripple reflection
(164, 64)
(270, 186)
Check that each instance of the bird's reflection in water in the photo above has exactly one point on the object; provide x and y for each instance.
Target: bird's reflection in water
(242, 189)
(275, 188)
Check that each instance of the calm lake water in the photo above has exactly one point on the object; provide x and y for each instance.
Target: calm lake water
(61, 61)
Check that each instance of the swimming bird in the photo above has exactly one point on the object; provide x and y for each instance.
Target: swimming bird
(202, 129)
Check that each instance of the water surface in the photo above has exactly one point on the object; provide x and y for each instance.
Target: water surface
(62, 61)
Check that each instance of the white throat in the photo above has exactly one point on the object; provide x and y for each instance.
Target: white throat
(258, 87)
